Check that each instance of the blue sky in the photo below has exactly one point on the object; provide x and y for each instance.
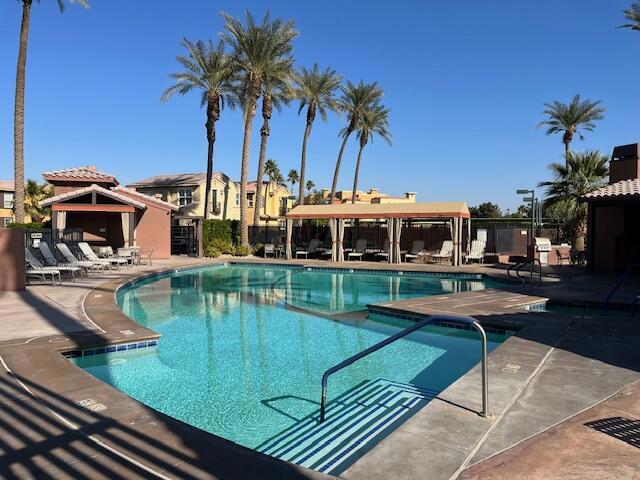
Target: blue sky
(465, 81)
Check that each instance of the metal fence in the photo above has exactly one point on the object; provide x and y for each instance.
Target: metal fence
(32, 238)
(503, 237)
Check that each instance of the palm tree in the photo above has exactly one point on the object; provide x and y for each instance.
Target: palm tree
(210, 70)
(293, 177)
(374, 121)
(583, 173)
(275, 94)
(571, 119)
(315, 90)
(259, 51)
(271, 170)
(354, 101)
(18, 116)
(633, 15)
(34, 193)
(310, 186)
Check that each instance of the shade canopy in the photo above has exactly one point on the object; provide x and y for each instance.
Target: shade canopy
(375, 210)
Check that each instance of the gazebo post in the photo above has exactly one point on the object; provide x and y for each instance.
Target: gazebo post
(289, 234)
(468, 235)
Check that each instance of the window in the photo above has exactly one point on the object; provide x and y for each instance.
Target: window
(185, 196)
(7, 200)
(6, 221)
(214, 202)
(237, 199)
(250, 199)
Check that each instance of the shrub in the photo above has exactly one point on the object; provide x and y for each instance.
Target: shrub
(257, 249)
(223, 246)
(27, 226)
(211, 251)
(242, 251)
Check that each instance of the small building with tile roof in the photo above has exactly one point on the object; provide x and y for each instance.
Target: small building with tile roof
(613, 230)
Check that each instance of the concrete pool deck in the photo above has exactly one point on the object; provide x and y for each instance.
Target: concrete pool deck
(554, 367)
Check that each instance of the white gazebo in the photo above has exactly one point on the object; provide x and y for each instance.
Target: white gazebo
(455, 212)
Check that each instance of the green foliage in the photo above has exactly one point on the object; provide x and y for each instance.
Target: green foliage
(257, 249)
(315, 89)
(486, 210)
(632, 14)
(223, 246)
(242, 251)
(220, 236)
(571, 119)
(27, 226)
(211, 251)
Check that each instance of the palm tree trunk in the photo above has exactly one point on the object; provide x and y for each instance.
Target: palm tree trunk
(355, 176)
(303, 163)
(264, 136)
(334, 185)
(213, 113)
(18, 117)
(244, 169)
(567, 152)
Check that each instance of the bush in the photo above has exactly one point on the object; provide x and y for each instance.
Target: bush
(223, 246)
(257, 249)
(242, 251)
(211, 251)
(27, 226)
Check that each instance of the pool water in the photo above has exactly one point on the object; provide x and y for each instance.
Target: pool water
(235, 360)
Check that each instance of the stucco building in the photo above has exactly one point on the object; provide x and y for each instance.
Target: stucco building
(374, 196)
(7, 191)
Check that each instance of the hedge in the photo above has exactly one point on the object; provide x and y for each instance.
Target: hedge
(217, 231)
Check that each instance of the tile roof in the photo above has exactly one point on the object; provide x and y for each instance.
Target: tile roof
(623, 188)
(89, 189)
(79, 174)
(176, 180)
(7, 185)
(144, 197)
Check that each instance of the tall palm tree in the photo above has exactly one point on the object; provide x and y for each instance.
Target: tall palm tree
(34, 193)
(632, 14)
(18, 115)
(293, 177)
(275, 93)
(272, 171)
(260, 50)
(309, 186)
(354, 101)
(373, 121)
(210, 70)
(571, 119)
(315, 90)
(583, 173)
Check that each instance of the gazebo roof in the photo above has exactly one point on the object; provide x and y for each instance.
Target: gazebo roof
(90, 189)
(376, 210)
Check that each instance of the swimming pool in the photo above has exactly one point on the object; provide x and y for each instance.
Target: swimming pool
(236, 360)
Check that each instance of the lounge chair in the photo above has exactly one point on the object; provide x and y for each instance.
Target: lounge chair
(269, 249)
(34, 264)
(477, 251)
(126, 253)
(42, 274)
(68, 255)
(313, 248)
(446, 252)
(384, 254)
(53, 262)
(146, 255)
(417, 246)
(359, 251)
(90, 255)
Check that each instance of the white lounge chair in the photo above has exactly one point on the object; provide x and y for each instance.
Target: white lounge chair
(446, 252)
(90, 255)
(42, 274)
(126, 253)
(359, 251)
(63, 248)
(313, 248)
(35, 264)
(477, 251)
(384, 254)
(53, 262)
(269, 249)
(417, 246)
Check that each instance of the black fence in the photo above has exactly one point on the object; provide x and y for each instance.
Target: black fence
(32, 238)
(502, 237)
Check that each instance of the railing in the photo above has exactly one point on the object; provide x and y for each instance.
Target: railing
(522, 263)
(417, 326)
(615, 288)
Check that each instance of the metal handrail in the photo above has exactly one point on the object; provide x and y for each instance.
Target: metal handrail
(615, 288)
(417, 326)
(532, 262)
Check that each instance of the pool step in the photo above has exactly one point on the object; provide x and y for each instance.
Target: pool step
(354, 422)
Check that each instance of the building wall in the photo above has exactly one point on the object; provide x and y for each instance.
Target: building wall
(274, 196)
(98, 228)
(608, 226)
(12, 268)
(153, 231)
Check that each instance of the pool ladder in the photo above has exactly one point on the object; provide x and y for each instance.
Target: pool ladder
(523, 263)
(469, 321)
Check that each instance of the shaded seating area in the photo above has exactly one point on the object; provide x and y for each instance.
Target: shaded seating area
(454, 214)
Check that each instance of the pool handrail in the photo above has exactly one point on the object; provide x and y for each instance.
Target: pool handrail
(532, 262)
(615, 288)
(417, 326)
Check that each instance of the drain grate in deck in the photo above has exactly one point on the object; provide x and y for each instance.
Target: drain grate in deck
(618, 427)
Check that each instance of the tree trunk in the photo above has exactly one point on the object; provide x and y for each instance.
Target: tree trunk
(264, 136)
(303, 163)
(355, 176)
(246, 146)
(18, 117)
(567, 152)
(213, 113)
(334, 185)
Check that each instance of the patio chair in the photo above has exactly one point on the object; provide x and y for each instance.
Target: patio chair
(53, 262)
(384, 254)
(477, 251)
(417, 246)
(269, 249)
(35, 268)
(35, 264)
(63, 248)
(446, 251)
(91, 256)
(311, 250)
(146, 255)
(563, 257)
(359, 251)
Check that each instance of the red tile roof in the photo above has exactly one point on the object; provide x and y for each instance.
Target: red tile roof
(93, 188)
(623, 188)
(7, 185)
(144, 197)
(80, 174)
